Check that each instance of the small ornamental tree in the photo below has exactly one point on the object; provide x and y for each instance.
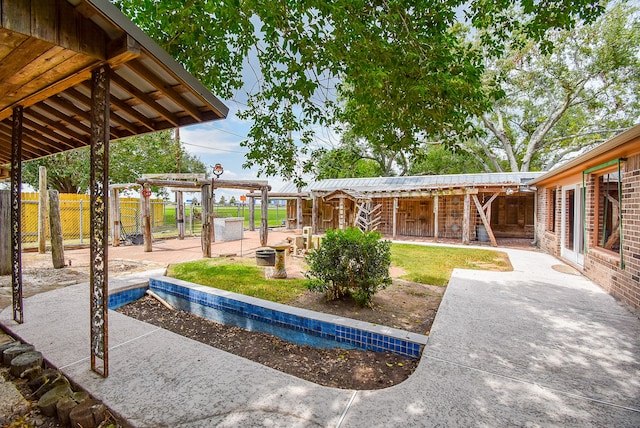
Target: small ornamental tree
(350, 263)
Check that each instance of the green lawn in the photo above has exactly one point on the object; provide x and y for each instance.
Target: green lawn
(238, 276)
(275, 214)
(424, 264)
(433, 265)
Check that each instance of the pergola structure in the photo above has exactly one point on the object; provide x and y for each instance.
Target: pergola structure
(206, 187)
(76, 73)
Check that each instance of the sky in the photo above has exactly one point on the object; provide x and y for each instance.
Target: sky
(219, 142)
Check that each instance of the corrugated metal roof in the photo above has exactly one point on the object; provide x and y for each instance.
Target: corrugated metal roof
(390, 184)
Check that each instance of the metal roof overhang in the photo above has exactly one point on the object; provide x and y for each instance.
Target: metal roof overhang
(48, 50)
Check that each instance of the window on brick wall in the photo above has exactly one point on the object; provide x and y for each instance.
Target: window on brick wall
(551, 210)
(608, 212)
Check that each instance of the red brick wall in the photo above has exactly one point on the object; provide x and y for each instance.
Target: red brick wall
(602, 266)
(548, 239)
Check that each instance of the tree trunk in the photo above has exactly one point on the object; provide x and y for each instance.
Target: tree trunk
(9, 354)
(26, 361)
(47, 403)
(57, 241)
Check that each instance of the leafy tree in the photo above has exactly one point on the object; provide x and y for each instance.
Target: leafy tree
(232, 200)
(560, 103)
(400, 69)
(440, 159)
(350, 263)
(129, 158)
(222, 200)
(345, 162)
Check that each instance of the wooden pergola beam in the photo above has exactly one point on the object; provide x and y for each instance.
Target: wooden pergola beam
(483, 217)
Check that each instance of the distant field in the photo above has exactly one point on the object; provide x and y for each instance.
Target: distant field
(276, 215)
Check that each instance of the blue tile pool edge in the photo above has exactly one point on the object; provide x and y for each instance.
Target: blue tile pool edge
(361, 334)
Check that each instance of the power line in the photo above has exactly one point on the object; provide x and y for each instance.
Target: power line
(215, 149)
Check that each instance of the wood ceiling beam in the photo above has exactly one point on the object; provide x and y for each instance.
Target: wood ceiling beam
(47, 92)
(69, 120)
(20, 57)
(71, 107)
(146, 99)
(119, 106)
(86, 101)
(167, 90)
(29, 147)
(51, 126)
(50, 138)
(43, 141)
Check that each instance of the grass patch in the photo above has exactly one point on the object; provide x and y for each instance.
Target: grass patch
(238, 276)
(423, 264)
(433, 265)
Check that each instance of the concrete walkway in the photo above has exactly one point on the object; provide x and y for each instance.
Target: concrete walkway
(532, 347)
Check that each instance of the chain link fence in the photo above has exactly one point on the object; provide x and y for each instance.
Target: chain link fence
(76, 224)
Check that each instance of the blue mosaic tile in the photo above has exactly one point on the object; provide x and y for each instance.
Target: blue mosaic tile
(295, 323)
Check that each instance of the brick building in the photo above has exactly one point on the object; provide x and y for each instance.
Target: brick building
(588, 213)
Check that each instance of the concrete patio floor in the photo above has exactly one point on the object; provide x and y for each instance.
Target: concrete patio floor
(538, 346)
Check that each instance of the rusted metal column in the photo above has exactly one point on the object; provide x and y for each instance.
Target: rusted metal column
(99, 185)
(264, 211)
(16, 214)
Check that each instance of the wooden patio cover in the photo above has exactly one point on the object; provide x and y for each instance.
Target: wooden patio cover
(77, 73)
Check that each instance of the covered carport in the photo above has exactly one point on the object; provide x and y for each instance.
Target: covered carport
(76, 73)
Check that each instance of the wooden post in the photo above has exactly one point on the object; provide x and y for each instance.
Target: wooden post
(55, 223)
(299, 218)
(42, 210)
(395, 216)
(436, 214)
(115, 217)
(252, 212)
(314, 215)
(146, 218)
(180, 213)
(264, 226)
(205, 237)
(5, 232)
(465, 219)
(484, 219)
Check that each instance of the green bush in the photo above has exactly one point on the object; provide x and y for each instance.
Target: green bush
(350, 263)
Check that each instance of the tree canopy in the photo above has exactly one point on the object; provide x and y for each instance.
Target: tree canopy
(397, 70)
(559, 103)
(129, 158)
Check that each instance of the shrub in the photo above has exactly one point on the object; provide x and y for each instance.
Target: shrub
(350, 263)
